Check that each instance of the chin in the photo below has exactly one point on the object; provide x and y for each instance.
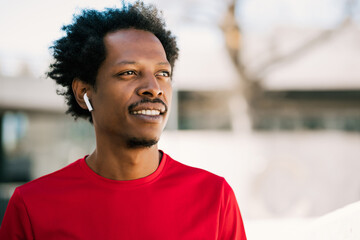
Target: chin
(135, 142)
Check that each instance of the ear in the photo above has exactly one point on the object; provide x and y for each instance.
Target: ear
(79, 89)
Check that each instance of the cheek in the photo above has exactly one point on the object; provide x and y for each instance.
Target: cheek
(113, 99)
(118, 93)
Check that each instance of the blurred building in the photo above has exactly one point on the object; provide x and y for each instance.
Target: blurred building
(306, 83)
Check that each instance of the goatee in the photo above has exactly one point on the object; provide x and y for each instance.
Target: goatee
(141, 142)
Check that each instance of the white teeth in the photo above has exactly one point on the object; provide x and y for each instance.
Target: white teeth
(147, 112)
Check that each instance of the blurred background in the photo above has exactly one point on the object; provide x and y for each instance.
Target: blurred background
(266, 94)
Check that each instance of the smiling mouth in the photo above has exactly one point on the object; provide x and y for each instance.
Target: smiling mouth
(148, 108)
(147, 112)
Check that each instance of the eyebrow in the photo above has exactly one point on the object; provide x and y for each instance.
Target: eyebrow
(163, 63)
(125, 62)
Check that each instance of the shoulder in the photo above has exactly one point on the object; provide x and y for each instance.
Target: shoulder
(51, 180)
(193, 174)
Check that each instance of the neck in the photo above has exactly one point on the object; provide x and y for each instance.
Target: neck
(116, 161)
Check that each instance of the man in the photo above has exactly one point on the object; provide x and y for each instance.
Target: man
(116, 67)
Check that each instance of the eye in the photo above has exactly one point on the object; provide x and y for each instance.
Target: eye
(163, 74)
(127, 73)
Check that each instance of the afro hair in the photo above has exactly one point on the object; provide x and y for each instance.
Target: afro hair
(81, 51)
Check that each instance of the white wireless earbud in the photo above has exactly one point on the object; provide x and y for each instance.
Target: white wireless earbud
(87, 102)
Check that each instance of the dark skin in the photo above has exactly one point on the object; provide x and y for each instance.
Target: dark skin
(135, 69)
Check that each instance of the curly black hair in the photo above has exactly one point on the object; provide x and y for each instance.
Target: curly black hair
(81, 51)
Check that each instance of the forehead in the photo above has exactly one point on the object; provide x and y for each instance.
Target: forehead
(133, 43)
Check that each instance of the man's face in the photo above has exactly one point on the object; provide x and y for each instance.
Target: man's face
(133, 88)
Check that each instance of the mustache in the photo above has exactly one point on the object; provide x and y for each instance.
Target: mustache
(147, 100)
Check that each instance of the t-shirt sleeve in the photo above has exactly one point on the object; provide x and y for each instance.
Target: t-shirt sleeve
(231, 223)
(16, 223)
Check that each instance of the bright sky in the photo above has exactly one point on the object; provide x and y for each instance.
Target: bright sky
(260, 14)
(28, 28)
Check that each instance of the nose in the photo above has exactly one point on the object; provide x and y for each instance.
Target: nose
(150, 88)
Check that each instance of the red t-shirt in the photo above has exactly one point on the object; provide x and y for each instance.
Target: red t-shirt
(174, 202)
